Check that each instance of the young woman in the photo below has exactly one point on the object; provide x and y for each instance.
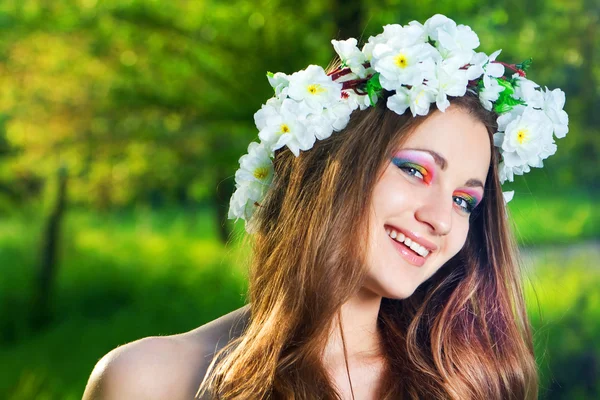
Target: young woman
(383, 265)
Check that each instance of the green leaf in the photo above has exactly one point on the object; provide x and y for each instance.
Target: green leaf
(509, 89)
(374, 89)
(270, 74)
(525, 64)
(506, 103)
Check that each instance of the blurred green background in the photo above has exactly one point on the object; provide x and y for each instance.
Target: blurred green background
(121, 123)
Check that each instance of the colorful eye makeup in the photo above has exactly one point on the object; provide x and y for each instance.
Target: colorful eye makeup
(421, 165)
(417, 163)
(470, 198)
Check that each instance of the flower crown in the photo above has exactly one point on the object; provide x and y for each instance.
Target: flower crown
(419, 65)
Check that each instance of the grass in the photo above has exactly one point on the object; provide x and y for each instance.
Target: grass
(563, 297)
(155, 274)
(133, 274)
(540, 220)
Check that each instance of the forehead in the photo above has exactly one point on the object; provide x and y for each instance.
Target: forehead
(458, 137)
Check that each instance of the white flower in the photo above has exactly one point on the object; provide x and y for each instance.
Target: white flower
(268, 110)
(508, 196)
(506, 173)
(438, 23)
(527, 91)
(527, 139)
(418, 98)
(255, 166)
(252, 181)
(490, 92)
(314, 87)
(279, 122)
(398, 36)
(452, 41)
(334, 118)
(476, 64)
(507, 117)
(481, 64)
(448, 80)
(492, 68)
(350, 55)
(401, 66)
(301, 142)
(548, 149)
(278, 81)
(338, 115)
(368, 47)
(554, 101)
(355, 100)
(240, 205)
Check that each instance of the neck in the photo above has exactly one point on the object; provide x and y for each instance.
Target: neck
(360, 333)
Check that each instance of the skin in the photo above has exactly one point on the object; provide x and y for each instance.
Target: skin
(172, 367)
(431, 210)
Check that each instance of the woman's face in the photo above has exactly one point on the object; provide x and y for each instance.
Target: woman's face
(419, 214)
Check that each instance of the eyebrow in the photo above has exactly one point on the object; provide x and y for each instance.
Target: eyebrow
(442, 163)
(474, 183)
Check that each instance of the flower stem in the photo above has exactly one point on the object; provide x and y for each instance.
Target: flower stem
(353, 83)
(339, 72)
(512, 67)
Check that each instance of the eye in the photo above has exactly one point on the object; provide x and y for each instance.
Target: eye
(464, 204)
(412, 171)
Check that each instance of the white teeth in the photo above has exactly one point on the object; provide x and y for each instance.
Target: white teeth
(400, 237)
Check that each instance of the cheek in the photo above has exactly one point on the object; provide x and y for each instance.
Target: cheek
(458, 236)
(391, 193)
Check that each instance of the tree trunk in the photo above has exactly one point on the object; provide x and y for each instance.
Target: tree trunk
(42, 296)
(223, 192)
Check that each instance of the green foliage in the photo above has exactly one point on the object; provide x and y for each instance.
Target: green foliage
(505, 100)
(564, 308)
(123, 276)
(152, 101)
(374, 89)
(558, 219)
(525, 65)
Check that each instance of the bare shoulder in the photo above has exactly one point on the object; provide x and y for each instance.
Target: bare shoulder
(167, 367)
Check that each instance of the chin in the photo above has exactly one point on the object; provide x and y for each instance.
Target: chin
(399, 292)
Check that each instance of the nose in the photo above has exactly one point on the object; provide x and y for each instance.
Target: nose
(436, 212)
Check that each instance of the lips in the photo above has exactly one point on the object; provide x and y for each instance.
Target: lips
(411, 246)
(414, 237)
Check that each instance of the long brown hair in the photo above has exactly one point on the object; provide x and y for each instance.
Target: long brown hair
(463, 334)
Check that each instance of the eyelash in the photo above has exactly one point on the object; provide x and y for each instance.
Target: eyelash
(413, 169)
(469, 205)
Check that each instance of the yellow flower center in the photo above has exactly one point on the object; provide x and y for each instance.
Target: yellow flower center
(284, 129)
(401, 60)
(315, 88)
(522, 136)
(261, 173)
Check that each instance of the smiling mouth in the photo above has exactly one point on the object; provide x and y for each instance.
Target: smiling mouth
(400, 238)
